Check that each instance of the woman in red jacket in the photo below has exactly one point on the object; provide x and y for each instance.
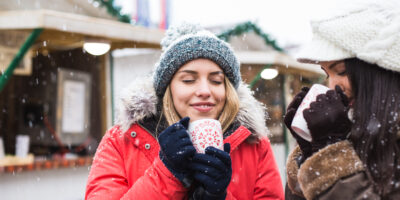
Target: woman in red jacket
(149, 155)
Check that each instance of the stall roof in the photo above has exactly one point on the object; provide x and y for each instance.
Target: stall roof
(67, 29)
(255, 47)
(276, 58)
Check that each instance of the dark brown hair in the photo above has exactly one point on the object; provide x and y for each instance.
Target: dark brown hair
(376, 121)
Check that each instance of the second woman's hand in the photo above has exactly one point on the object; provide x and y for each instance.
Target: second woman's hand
(327, 119)
(176, 150)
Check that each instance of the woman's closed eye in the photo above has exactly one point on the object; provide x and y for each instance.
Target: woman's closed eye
(188, 80)
(217, 82)
(217, 78)
(343, 73)
(339, 68)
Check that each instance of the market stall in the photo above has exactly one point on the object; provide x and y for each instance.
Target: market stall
(54, 88)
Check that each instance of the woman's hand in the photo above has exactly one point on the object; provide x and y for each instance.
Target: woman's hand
(213, 170)
(327, 118)
(177, 150)
(304, 145)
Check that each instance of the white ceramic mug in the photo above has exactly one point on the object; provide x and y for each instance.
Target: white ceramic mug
(299, 124)
(204, 133)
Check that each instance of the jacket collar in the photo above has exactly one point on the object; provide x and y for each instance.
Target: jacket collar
(138, 101)
(236, 138)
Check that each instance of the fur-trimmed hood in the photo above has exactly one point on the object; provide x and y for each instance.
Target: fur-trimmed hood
(139, 101)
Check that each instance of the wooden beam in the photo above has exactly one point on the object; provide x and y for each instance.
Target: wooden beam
(276, 58)
(67, 27)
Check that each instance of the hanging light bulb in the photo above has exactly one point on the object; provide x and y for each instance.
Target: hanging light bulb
(269, 73)
(96, 47)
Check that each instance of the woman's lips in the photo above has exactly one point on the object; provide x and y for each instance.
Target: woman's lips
(203, 107)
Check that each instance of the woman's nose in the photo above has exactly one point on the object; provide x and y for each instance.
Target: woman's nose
(332, 83)
(203, 89)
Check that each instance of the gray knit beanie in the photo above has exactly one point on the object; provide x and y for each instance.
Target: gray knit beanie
(188, 42)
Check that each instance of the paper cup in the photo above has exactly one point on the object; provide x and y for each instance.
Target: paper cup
(22, 146)
(204, 133)
(299, 124)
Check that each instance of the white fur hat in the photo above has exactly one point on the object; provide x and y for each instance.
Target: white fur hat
(369, 31)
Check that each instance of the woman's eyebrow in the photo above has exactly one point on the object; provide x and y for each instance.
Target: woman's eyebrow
(334, 64)
(217, 72)
(194, 72)
(188, 71)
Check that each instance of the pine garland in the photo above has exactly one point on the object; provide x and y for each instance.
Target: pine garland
(247, 27)
(115, 10)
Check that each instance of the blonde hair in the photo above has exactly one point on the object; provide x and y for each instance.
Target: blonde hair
(228, 114)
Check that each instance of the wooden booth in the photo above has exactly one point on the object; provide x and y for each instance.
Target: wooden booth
(56, 104)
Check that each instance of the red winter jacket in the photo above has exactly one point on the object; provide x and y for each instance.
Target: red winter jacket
(127, 166)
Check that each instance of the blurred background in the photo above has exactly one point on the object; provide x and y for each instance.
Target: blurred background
(63, 64)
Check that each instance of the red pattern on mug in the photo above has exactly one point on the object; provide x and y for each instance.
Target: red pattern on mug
(204, 133)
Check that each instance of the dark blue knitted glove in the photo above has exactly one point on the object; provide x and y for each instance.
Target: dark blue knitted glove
(213, 170)
(176, 150)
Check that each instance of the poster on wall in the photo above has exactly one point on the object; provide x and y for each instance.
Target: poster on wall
(73, 106)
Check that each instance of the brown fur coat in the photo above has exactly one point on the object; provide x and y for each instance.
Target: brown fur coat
(322, 170)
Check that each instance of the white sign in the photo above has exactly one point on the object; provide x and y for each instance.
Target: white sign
(73, 115)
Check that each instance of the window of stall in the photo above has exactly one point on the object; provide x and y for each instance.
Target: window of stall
(52, 114)
(277, 92)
